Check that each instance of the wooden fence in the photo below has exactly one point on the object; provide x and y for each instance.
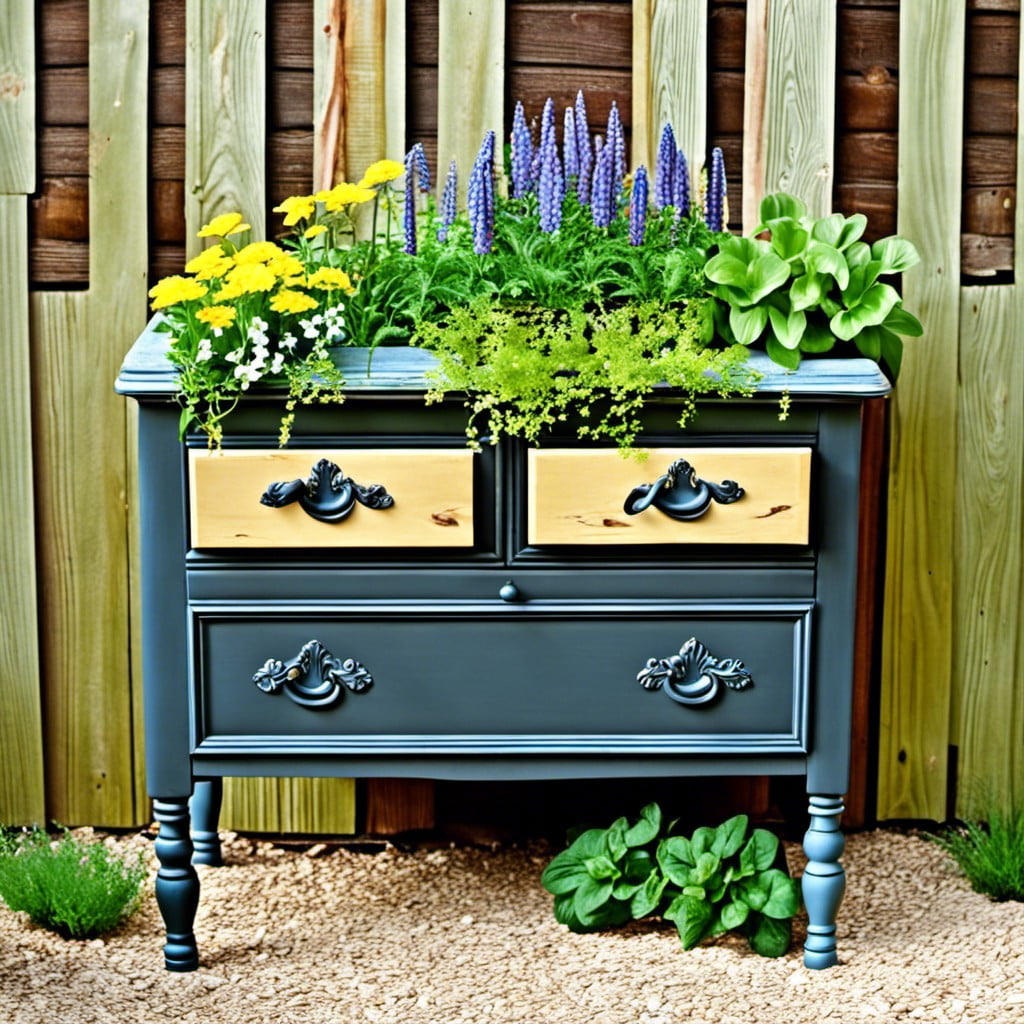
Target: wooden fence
(769, 80)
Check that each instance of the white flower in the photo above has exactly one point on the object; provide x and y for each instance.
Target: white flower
(205, 350)
(289, 341)
(275, 366)
(235, 355)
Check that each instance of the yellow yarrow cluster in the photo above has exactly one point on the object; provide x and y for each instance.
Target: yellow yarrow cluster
(330, 278)
(224, 225)
(172, 290)
(344, 194)
(381, 172)
(218, 316)
(288, 301)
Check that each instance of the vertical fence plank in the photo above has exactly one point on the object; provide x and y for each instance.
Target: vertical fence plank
(226, 113)
(471, 81)
(791, 144)
(989, 555)
(17, 99)
(21, 736)
(79, 341)
(670, 73)
(917, 634)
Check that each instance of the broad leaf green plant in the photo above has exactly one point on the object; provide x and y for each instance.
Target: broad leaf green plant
(717, 880)
(801, 284)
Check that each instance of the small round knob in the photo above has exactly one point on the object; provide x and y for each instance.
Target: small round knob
(509, 592)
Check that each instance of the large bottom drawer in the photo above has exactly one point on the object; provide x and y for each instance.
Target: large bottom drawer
(552, 677)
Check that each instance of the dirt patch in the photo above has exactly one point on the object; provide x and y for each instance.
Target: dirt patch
(330, 936)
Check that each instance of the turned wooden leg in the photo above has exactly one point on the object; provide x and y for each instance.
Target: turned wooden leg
(824, 880)
(177, 884)
(205, 810)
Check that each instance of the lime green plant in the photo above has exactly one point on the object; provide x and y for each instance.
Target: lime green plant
(717, 880)
(77, 889)
(809, 283)
(990, 853)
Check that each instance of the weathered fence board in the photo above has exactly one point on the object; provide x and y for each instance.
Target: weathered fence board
(470, 82)
(17, 99)
(21, 739)
(916, 657)
(988, 720)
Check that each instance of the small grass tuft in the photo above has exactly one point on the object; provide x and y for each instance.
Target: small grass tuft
(77, 889)
(990, 854)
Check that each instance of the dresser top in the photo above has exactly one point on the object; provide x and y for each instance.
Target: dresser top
(146, 372)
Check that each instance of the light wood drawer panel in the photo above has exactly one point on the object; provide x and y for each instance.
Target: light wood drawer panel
(432, 491)
(576, 496)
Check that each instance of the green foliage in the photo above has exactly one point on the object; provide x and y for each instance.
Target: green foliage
(718, 880)
(991, 855)
(810, 283)
(526, 370)
(74, 888)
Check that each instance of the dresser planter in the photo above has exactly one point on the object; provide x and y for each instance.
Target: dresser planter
(376, 600)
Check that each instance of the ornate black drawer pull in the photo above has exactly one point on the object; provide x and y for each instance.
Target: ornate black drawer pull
(314, 678)
(681, 494)
(328, 495)
(693, 676)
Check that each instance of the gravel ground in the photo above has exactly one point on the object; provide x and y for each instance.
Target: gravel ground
(437, 936)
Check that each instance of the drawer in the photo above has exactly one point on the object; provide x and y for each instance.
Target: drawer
(552, 677)
(696, 495)
(328, 498)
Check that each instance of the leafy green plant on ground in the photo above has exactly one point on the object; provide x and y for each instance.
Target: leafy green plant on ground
(810, 283)
(717, 880)
(527, 370)
(75, 888)
(990, 854)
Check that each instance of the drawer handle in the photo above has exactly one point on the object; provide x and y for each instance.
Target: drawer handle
(327, 495)
(681, 494)
(314, 678)
(693, 676)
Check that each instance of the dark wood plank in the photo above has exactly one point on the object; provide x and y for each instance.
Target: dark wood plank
(63, 32)
(867, 156)
(167, 153)
(290, 95)
(398, 805)
(54, 264)
(421, 31)
(165, 260)
(993, 44)
(63, 96)
(167, 212)
(725, 103)
(533, 85)
(290, 34)
(167, 95)
(60, 210)
(867, 38)
(990, 160)
(727, 38)
(167, 32)
(990, 106)
(290, 155)
(570, 34)
(876, 200)
(64, 152)
(868, 102)
(985, 255)
(989, 211)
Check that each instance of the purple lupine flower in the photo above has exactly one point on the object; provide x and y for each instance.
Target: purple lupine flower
(448, 197)
(551, 184)
(480, 197)
(583, 151)
(714, 202)
(522, 155)
(570, 152)
(616, 138)
(422, 167)
(664, 170)
(638, 207)
(601, 198)
(681, 185)
(409, 210)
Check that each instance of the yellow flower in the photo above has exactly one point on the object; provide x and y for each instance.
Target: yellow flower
(286, 301)
(224, 225)
(286, 265)
(217, 316)
(258, 252)
(330, 278)
(175, 289)
(230, 291)
(344, 194)
(316, 229)
(209, 263)
(296, 208)
(250, 277)
(382, 171)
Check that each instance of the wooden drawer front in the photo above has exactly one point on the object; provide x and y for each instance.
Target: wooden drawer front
(576, 496)
(545, 677)
(432, 491)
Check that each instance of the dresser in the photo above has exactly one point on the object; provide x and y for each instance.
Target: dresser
(378, 600)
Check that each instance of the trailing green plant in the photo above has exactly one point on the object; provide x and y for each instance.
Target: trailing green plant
(990, 853)
(717, 880)
(810, 283)
(528, 370)
(77, 889)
